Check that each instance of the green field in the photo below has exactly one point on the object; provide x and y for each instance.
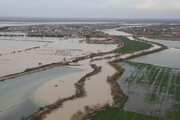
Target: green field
(151, 90)
(131, 46)
(161, 81)
(116, 114)
(160, 86)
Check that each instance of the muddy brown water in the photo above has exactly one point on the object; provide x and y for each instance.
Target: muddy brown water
(98, 92)
(53, 52)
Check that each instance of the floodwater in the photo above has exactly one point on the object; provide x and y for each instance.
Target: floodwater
(13, 33)
(116, 32)
(3, 24)
(168, 58)
(168, 43)
(24, 95)
(54, 51)
(101, 39)
(98, 92)
(17, 98)
(47, 93)
(8, 46)
(157, 99)
(151, 90)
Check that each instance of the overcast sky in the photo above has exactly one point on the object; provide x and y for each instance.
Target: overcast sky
(91, 8)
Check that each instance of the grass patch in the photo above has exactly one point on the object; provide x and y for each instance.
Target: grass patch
(117, 114)
(131, 46)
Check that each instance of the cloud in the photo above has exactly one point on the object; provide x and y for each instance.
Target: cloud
(147, 4)
(159, 5)
(92, 8)
(113, 4)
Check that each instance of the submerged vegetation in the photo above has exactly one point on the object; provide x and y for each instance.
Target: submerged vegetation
(160, 86)
(154, 89)
(131, 46)
(154, 92)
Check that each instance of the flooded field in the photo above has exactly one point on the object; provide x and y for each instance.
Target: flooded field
(167, 58)
(42, 88)
(122, 115)
(17, 98)
(51, 50)
(151, 90)
(151, 82)
(101, 39)
(9, 46)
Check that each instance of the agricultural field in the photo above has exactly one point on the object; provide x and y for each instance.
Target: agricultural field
(131, 46)
(151, 90)
(122, 115)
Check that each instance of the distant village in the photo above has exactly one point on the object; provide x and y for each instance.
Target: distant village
(166, 32)
(91, 30)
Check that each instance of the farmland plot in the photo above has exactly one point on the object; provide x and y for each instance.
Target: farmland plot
(152, 90)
